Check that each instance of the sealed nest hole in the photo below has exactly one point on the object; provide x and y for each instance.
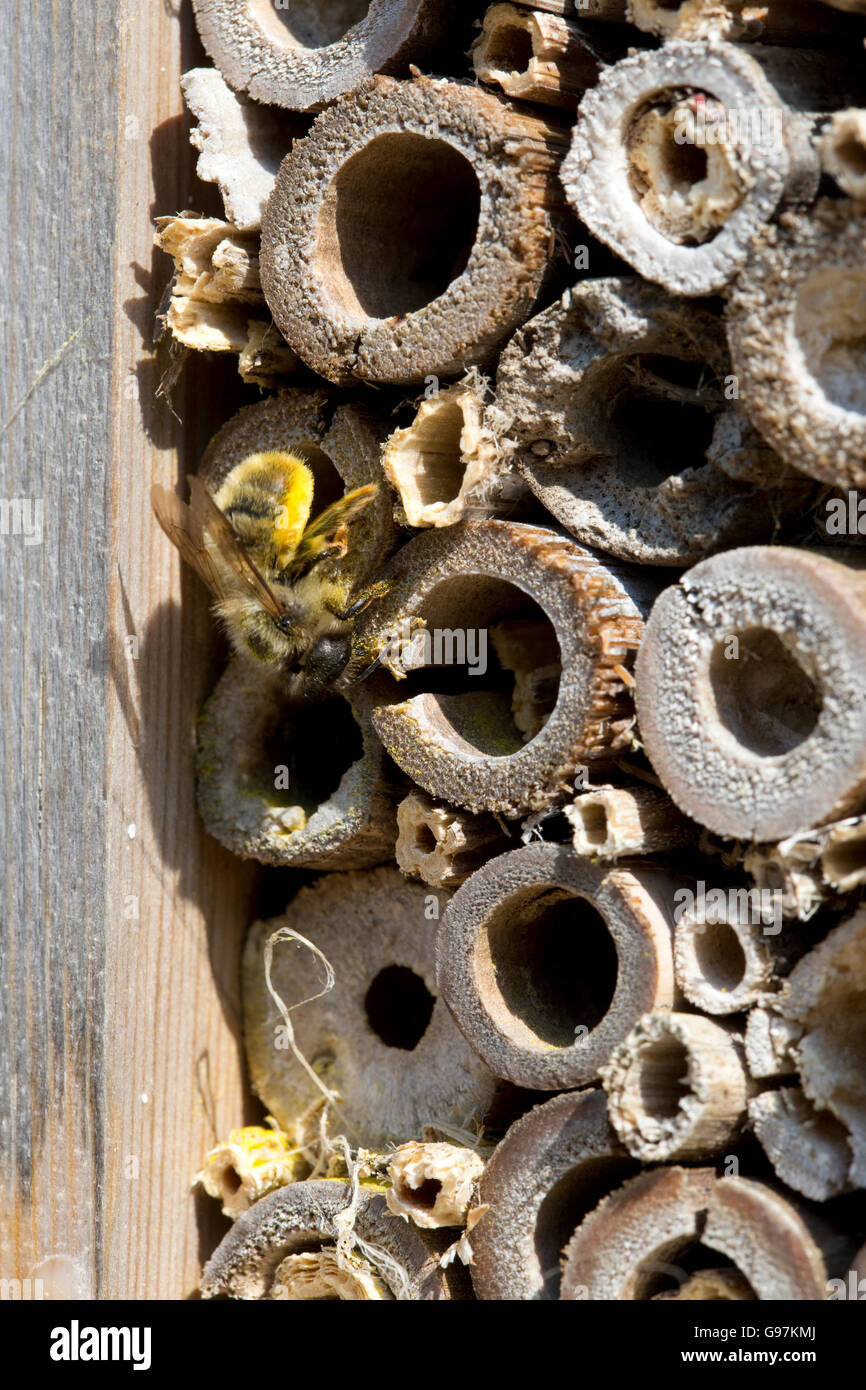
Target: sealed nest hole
(398, 225)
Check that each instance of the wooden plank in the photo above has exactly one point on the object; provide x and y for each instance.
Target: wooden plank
(120, 1030)
(58, 186)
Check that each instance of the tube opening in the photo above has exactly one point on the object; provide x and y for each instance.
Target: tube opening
(763, 696)
(547, 968)
(308, 23)
(830, 327)
(720, 957)
(300, 754)
(509, 49)
(428, 465)
(398, 225)
(425, 840)
(490, 656)
(399, 1007)
(663, 1077)
(851, 152)
(683, 1262)
(563, 1209)
(682, 169)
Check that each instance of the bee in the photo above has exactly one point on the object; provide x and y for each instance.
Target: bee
(254, 546)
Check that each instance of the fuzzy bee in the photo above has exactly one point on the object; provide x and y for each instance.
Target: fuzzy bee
(253, 544)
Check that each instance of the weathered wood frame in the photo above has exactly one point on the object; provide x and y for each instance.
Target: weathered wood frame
(119, 1034)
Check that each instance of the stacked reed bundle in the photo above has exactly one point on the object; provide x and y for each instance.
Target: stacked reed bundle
(615, 737)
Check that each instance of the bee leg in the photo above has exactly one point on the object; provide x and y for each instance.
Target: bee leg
(363, 600)
(367, 671)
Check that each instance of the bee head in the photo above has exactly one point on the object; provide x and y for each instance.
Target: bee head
(327, 659)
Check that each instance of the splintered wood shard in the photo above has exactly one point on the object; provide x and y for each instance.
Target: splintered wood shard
(629, 1246)
(240, 144)
(552, 1167)
(254, 1260)
(608, 822)
(460, 738)
(547, 962)
(441, 845)
(310, 52)
(216, 302)
(447, 463)
(381, 1040)
(676, 1088)
(618, 408)
(411, 231)
(535, 56)
(749, 690)
(682, 154)
(796, 328)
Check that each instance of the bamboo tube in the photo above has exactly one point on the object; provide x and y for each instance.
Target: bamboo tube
(676, 1088)
(240, 144)
(251, 1163)
(769, 1042)
(823, 999)
(682, 155)
(303, 1220)
(535, 56)
(441, 845)
(617, 406)
(750, 691)
(552, 1167)
(796, 324)
(447, 464)
(608, 11)
(843, 151)
(382, 244)
(608, 822)
(728, 958)
(778, 21)
(381, 1039)
(433, 1184)
(547, 962)
(632, 1238)
(308, 53)
(215, 301)
(467, 744)
(809, 1150)
(293, 783)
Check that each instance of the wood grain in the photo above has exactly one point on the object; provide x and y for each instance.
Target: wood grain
(119, 1031)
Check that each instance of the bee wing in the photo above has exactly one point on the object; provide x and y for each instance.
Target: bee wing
(328, 531)
(208, 521)
(189, 528)
(175, 518)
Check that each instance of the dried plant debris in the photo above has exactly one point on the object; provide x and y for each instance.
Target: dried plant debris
(216, 302)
